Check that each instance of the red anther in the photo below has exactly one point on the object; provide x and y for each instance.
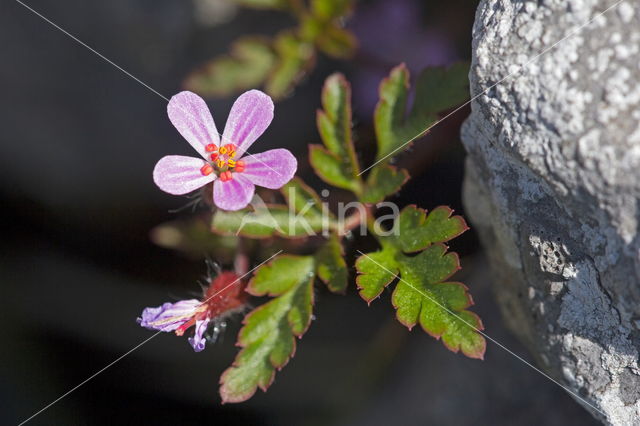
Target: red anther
(231, 147)
(206, 170)
(211, 147)
(239, 166)
(226, 176)
(214, 156)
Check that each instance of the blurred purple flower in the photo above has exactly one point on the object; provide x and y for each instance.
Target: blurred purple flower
(250, 115)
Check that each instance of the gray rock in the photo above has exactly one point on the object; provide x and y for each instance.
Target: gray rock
(553, 187)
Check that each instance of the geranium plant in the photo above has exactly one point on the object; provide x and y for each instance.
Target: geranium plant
(412, 255)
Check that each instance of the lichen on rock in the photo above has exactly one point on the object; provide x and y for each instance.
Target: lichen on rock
(553, 186)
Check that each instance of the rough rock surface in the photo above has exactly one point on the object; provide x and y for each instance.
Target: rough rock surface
(553, 187)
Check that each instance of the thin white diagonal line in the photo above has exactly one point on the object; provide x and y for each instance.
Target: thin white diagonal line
(127, 73)
(136, 347)
(500, 345)
(90, 377)
(520, 68)
(82, 43)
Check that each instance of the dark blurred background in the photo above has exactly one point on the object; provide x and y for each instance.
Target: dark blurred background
(79, 140)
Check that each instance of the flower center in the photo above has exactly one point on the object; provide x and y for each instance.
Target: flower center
(222, 159)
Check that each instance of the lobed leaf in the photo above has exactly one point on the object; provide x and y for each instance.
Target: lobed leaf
(280, 275)
(383, 181)
(437, 89)
(193, 236)
(247, 66)
(416, 230)
(390, 110)
(301, 197)
(422, 297)
(330, 9)
(331, 267)
(331, 169)
(334, 122)
(440, 88)
(268, 335)
(376, 271)
(295, 57)
(337, 42)
(422, 294)
(267, 222)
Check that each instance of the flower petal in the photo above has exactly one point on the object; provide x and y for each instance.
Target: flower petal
(169, 316)
(177, 174)
(250, 115)
(233, 194)
(271, 169)
(198, 341)
(190, 115)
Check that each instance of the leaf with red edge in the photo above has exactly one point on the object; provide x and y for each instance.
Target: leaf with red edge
(382, 182)
(331, 266)
(416, 230)
(423, 295)
(437, 89)
(268, 335)
(330, 168)
(375, 272)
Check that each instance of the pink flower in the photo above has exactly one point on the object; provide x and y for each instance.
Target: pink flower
(226, 162)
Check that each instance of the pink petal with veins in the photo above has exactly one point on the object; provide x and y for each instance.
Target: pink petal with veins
(250, 116)
(271, 169)
(177, 174)
(191, 117)
(233, 194)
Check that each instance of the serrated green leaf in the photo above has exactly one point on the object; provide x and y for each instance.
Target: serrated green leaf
(247, 66)
(301, 197)
(266, 222)
(193, 236)
(331, 267)
(264, 4)
(295, 57)
(437, 89)
(422, 297)
(390, 110)
(330, 9)
(376, 271)
(334, 122)
(280, 275)
(432, 265)
(336, 42)
(331, 169)
(383, 181)
(416, 230)
(268, 335)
